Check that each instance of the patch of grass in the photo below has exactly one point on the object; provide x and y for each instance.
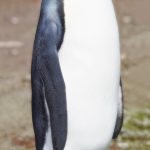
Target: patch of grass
(136, 130)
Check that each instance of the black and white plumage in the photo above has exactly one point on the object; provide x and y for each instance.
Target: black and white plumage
(76, 96)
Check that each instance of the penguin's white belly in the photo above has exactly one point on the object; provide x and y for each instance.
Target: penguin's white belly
(90, 64)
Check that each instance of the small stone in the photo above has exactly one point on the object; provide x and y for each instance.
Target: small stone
(123, 56)
(123, 145)
(26, 78)
(14, 52)
(11, 44)
(14, 20)
(148, 143)
(127, 19)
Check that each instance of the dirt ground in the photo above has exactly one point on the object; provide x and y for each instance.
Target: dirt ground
(18, 19)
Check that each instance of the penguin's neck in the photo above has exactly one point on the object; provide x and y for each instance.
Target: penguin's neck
(77, 9)
(83, 12)
(87, 20)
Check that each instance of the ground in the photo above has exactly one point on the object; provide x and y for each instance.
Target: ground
(18, 20)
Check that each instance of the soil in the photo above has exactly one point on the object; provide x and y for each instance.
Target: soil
(18, 20)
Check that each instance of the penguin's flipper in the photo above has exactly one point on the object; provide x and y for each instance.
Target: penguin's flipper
(119, 121)
(48, 85)
(40, 120)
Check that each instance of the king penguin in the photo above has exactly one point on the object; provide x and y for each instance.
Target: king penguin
(77, 100)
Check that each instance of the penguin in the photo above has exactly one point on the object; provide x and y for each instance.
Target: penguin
(77, 100)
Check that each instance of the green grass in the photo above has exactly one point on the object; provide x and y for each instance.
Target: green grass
(136, 130)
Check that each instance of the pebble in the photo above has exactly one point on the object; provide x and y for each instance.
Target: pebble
(26, 78)
(123, 56)
(14, 20)
(14, 52)
(10, 44)
(127, 19)
(123, 145)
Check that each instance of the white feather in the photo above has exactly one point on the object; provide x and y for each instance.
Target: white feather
(48, 138)
(90, 63)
